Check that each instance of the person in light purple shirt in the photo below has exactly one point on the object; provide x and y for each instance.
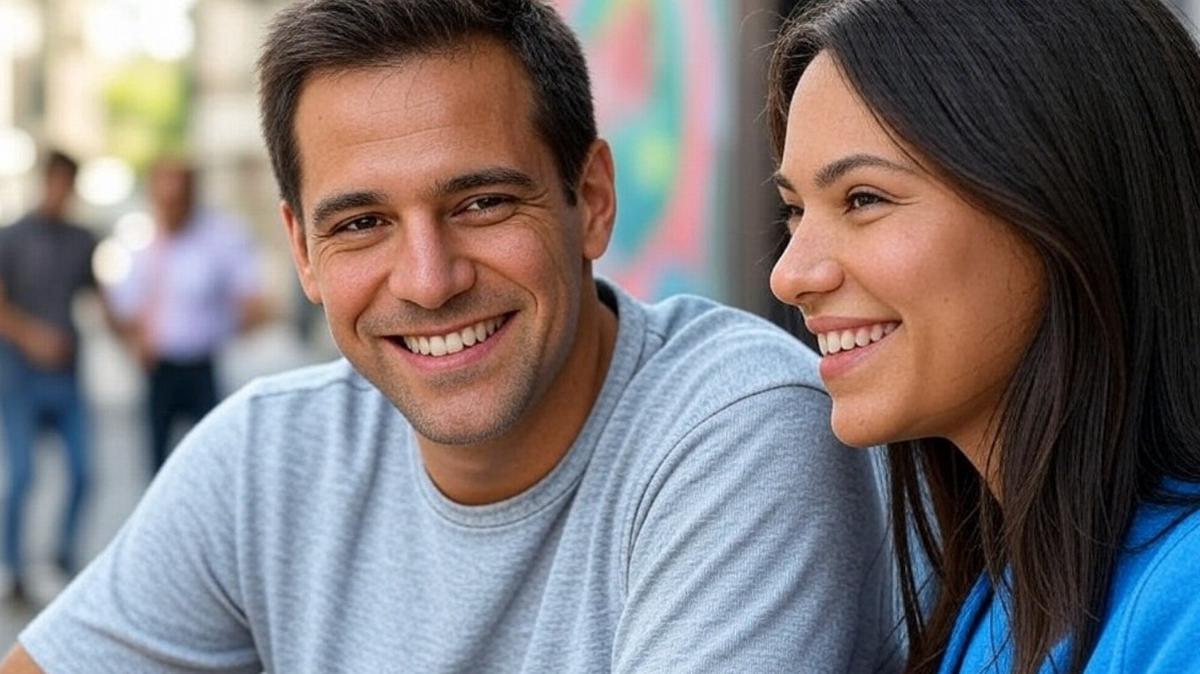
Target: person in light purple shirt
(189, 292)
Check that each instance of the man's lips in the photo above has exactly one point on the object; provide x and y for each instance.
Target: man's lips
(443, 342)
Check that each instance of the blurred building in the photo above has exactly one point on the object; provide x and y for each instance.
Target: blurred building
(679, 88)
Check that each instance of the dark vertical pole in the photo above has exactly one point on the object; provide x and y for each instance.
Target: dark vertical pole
(752, 204)
(773, 239)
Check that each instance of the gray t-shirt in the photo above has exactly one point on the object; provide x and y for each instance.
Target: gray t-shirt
(704, 520)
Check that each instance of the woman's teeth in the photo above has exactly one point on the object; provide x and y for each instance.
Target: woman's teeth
(845, 340)
(442, 345)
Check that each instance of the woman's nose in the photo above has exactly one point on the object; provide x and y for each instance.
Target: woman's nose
(806, 270)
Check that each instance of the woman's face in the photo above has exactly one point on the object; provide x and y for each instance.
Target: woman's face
(923, 304)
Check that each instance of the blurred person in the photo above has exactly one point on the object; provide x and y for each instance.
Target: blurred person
(45, 263)
(194, 288)
(995, 236)
(520, 468)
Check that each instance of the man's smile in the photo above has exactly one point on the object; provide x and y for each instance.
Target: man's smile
(453, 341)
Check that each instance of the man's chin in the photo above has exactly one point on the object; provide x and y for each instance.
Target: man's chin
(474, 427)
(457, 437)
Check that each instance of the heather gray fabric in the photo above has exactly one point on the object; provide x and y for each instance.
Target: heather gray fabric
(705, 520)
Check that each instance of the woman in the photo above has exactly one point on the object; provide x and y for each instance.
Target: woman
(994, 210)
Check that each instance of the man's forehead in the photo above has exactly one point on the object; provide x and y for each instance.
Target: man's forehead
(483, 83)
(431, 75)
(423, 119)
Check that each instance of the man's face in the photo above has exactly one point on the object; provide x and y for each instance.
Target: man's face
(59, 186)
(439, 240)
(171, 194)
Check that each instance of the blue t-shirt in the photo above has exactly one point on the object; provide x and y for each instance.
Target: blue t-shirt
(1152, 623)
(704, 520)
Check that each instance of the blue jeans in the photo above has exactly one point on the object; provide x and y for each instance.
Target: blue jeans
(30, 400)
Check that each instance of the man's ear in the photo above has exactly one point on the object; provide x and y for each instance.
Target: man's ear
(299, 246)
(597, 200)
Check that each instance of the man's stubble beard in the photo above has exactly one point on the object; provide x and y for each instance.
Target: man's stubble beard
(517, 397)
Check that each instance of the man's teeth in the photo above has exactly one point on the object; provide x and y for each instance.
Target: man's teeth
(441, 345)
(844, 340)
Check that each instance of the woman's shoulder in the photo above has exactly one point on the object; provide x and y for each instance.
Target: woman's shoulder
(1154, 617)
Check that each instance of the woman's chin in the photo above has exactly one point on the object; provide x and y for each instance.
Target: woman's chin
(856, 436)
(860, 430)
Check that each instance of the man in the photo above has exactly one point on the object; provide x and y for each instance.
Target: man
(519, 469)
(45, 263)
(195, 287)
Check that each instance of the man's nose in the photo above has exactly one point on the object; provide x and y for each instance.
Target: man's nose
(430, 268)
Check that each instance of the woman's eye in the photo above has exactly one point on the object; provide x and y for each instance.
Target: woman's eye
(863, 199)
(790, 216)
(791, 212)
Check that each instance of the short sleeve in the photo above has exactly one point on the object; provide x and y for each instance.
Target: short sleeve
(164, 595)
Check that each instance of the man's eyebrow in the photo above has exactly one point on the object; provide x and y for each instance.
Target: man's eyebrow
(330, 206)
(840, 167)
(496, 175)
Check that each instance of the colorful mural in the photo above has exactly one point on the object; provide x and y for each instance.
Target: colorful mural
(661, 79)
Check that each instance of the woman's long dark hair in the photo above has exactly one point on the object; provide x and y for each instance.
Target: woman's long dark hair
(1077, 122)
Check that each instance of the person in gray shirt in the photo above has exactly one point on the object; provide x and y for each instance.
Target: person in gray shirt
(45, 265)
(517, 467)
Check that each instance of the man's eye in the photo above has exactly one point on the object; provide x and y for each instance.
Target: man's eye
(360, 224)
(486, 203)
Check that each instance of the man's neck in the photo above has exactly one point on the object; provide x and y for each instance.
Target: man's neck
(495, 470)
(51, 213)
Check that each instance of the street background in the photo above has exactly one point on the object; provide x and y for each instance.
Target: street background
(117, 83)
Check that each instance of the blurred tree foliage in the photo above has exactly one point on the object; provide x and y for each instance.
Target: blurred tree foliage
(147, 103)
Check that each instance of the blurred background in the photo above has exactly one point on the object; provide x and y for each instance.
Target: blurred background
(679, 87)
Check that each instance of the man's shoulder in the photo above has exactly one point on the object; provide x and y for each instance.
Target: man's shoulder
(294, 422)
(82, 234)
(82, 241)
(316, 379)
(33, 226)
(16, 231)
(721, 345)
(706, 373)
(315, 385)
(326, 392)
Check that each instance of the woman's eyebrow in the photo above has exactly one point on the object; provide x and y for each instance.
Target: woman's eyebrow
(782, 182)
(830, 173)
